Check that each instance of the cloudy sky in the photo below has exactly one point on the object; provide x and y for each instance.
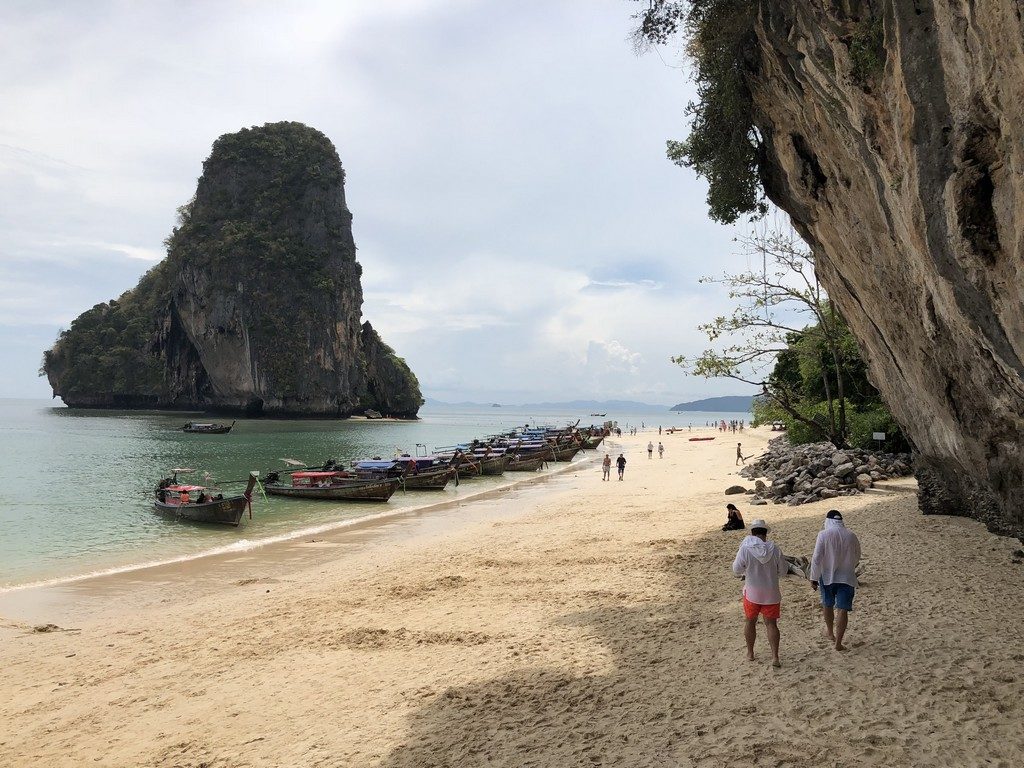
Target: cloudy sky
(522, 235)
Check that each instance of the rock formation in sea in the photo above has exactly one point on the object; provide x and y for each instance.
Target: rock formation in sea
(892, 132)
(257, 306)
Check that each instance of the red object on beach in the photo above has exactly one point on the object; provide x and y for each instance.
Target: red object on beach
(698, 439)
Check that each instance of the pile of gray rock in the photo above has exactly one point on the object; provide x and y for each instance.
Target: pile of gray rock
(801, 474)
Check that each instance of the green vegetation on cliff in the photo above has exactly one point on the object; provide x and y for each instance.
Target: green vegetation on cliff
(257, 305)
(109, 350)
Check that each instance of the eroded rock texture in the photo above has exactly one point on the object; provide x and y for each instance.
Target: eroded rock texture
(257, 307)
(901, 161)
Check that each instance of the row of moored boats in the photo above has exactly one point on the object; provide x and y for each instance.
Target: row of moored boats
(377, 479)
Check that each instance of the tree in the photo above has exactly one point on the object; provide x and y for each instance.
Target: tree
(770, 347)
(724, 143)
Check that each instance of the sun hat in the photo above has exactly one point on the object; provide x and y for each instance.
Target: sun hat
(759, 524)
(834, 514)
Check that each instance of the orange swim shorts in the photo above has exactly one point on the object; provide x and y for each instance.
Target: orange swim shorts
(751, 610)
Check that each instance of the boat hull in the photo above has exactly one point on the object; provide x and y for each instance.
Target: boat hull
(527, 463)
(565, 453)
(429, 481)
(369, 490)
(223, 512)
(495, 465)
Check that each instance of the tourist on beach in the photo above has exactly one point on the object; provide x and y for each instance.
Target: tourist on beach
(761, 563)
(661, 450)
(739, 453)
(621, 464)
(650, 450)
(734, 520)
(834, 572)
(606, 467)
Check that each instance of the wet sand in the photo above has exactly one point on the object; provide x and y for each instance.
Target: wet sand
(581, 623)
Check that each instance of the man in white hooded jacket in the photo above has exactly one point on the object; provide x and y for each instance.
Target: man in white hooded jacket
(762, 564)
(834, 568)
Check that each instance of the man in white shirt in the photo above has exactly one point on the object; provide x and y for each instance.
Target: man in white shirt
(762, 564)
(834, 571)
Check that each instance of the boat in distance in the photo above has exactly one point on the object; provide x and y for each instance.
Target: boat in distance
(196, 504)
(334, 486)
(207, 428)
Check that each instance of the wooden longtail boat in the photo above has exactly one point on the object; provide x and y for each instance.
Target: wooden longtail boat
(334, 486)
(493, 465)
(195, 504)
(201, 428)
(527, 463)
(566, 452)
(699, 439)
(415, 473)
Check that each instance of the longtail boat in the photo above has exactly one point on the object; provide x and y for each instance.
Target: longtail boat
(566, 451)
(527, 462)
(423, 473)
(196, 504)
(334, 486)
(699, 439)
(205, 428)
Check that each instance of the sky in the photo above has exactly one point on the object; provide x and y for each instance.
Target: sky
(523, 237)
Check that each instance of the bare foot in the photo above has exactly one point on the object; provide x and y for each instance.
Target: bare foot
(831, 637)
(751, 657)
(776, 663)
(841, 647)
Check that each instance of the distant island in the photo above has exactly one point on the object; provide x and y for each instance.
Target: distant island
(257, 306)
(728, 404)
(603, 406)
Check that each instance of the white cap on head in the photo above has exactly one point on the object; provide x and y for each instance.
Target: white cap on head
(759, 523)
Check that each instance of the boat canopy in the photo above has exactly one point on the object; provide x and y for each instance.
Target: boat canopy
(314, 475)
(184, 488)
(376, 464)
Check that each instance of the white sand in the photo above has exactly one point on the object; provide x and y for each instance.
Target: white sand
(601, 626)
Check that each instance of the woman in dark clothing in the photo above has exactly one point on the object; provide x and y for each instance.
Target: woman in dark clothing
(735, 521)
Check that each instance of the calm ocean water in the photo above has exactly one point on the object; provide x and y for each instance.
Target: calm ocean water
(76, 485)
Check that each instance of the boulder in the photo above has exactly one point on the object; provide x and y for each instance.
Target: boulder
(864, 482)
(735, 489)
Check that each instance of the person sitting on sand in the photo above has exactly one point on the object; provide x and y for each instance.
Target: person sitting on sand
(834, 571)
(734, 521)
(762, 564)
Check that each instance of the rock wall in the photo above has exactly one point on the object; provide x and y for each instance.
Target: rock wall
(902, 167)
(257, 307)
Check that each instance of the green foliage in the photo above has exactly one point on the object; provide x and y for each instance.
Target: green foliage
(111, 348)
(723, 142)
(867, 51)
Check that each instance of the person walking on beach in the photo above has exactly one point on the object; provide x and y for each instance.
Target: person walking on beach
(661, 450)
(834, 573)
(621, 464)
(606, 467)
(739, 453)
(762, 564)
(650, 450)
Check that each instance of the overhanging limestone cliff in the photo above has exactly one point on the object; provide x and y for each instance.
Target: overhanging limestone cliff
(905, 176)
(257, 307)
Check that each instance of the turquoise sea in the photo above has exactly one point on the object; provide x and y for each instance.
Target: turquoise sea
(76, 485)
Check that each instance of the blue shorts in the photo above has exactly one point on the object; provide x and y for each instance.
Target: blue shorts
(837, 595)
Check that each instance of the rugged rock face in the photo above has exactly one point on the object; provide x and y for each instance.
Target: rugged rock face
(893, 135)
(257, 306)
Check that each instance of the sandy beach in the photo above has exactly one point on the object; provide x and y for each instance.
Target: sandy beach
(577, 623)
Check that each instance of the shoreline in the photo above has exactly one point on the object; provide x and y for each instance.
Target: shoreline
(277, 545)
(564, 623)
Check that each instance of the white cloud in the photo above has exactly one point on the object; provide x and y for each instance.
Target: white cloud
(519, 227)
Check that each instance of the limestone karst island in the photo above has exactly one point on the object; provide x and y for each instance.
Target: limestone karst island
(670, 413)
(257, 307)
